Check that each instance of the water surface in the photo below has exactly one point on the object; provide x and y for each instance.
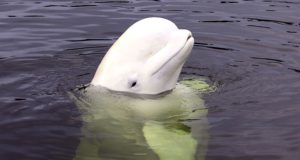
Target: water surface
(250, 48)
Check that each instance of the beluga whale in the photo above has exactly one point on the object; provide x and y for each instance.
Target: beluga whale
(146, 59)
(134, 108)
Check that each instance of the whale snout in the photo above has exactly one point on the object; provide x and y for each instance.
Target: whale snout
(188, 36)
(186, 33)
(187, 43)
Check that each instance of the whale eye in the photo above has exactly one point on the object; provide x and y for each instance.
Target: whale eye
(133, 84)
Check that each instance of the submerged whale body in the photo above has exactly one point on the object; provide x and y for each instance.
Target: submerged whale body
(134, 108)
(118, 126)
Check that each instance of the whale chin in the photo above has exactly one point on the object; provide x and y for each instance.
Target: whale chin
(146, 59)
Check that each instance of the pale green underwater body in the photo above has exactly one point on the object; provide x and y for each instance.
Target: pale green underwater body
(168, 127)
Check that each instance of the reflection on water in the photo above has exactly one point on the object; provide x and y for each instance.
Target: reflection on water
(250, 48)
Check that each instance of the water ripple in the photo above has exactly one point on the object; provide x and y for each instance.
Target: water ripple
(248, 48)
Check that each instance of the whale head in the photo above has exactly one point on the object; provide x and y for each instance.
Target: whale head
(146, 59)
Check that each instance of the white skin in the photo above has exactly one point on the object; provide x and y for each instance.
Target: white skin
(146, 59)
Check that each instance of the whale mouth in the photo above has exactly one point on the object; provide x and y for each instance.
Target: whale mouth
(188, 41)
(189, 37)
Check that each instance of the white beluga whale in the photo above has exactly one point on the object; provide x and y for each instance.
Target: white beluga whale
(146, 59)
(134, 108)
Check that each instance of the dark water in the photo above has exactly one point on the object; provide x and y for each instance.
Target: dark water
(250, 48)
